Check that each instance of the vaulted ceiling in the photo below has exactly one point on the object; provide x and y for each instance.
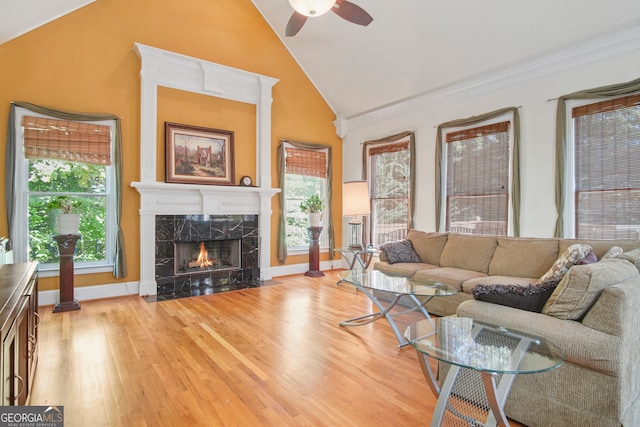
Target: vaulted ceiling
(412, 47)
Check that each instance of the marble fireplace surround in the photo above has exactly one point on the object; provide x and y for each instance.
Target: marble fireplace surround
(163, 68)
(175, 279)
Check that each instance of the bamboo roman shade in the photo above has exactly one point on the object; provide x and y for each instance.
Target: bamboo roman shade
(607, 169)
(389, 172)
(66, 140)
(306, 162)
(477, 182)
(388, 148)
(478, 132)
(603, 106)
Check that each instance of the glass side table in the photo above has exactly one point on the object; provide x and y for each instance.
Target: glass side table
(484, 360)
(363, 256)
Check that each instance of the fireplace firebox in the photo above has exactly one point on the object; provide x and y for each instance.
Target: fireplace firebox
(197, 257)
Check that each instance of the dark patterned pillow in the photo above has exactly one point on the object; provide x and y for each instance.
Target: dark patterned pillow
(589, 259)
(529, 298)
(401, 251)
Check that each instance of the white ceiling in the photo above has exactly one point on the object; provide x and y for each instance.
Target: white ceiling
(21, 16)
(415, 47)
(412, 47)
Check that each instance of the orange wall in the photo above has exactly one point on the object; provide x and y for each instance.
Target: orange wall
(200, 110)
(85, 62)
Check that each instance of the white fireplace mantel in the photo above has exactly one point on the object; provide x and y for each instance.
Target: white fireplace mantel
(159, 198)
(168, 69)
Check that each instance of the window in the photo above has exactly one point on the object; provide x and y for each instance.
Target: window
(604, 174)
(64, 158)
(389, 175)
(476, 178)
(305, 175)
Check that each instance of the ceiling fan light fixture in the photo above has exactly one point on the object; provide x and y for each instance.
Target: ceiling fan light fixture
(312, 7)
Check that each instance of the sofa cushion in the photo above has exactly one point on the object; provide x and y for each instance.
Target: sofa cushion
(451, 276)
(401, 251)
(529, 297)
(407, 269)
(468, 252)
(564, 262)
(582, 286)
(428, 246)
(524, 257)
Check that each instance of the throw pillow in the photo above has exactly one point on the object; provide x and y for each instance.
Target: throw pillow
(529, 298)
(632, 256)
(401, 251)
(613, 252)
(582, 286)
(589, 259)
(559, 268)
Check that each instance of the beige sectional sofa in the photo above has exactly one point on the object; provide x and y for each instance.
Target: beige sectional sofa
(593, 315)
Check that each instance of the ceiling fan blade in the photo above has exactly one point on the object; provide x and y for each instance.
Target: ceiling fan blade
(352, 12)
(295, 23)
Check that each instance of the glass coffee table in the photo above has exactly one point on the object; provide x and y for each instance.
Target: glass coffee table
(370, 281)
(484, 361)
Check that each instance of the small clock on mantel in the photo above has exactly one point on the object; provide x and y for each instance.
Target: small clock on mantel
(246, 181)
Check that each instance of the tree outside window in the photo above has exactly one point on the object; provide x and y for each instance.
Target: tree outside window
(85, 185)
(298, 189)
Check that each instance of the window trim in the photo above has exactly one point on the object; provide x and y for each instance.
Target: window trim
(19, 233)
(569, 220)
(507, 116)
(569, 184)
(408, 138)
(327, 232)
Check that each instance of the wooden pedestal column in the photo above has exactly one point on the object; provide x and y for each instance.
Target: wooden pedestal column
(66, 248)
(314, 252)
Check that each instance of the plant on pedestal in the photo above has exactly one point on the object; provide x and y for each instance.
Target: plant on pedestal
(313, 206)
(66, 219)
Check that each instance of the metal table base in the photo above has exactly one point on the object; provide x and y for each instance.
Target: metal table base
(386, 312)
(496, 389)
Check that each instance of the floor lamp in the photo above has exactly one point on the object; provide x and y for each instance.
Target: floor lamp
(355, 203)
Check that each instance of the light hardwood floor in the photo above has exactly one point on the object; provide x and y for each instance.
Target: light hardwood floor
(271, 356)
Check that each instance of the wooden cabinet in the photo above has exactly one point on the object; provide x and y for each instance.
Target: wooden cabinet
(19, 327)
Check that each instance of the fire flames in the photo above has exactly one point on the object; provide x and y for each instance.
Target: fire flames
(203, 257)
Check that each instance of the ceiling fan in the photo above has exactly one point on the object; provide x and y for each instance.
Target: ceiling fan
(311, 8)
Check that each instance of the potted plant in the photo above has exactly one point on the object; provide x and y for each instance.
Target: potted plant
(313, 206)
(66, 219)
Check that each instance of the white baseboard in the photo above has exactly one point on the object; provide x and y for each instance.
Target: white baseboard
(287, 270)
(85, 293)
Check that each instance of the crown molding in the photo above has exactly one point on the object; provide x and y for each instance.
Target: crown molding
(597, 50)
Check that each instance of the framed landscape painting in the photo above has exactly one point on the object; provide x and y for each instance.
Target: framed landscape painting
(198, 155)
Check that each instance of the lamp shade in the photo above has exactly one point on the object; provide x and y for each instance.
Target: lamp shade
(312, 7)
(355, 198)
